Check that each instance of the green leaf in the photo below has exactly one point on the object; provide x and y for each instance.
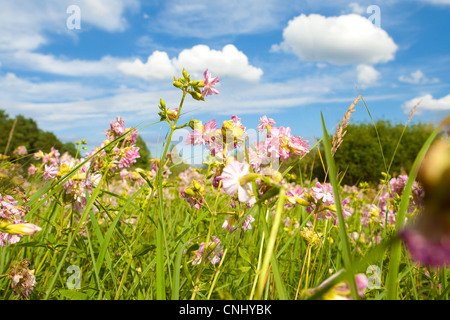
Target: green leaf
(73, 294)
(144, 249)
(244, 269)
(144, 176)
(32, 244)
(244, 255)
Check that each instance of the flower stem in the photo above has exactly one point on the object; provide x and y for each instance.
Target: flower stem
(160, 276)
(271, 242)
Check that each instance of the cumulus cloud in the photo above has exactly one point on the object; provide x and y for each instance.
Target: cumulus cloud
(345, 39)
(25, 23)
(417, 77)
(367, 75)
(427, 102)
(158, 67)
(226, 62)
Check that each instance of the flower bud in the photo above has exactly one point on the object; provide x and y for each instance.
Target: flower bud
(197, 185)
(189, 192)
(196, 95)
(177, 84)
(172, 114)
(162, 103)
(26, 229)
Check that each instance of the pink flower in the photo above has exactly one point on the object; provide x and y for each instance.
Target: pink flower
(129, 156)
(209, 130)
(247, 224)
(50, 172)
(323, 193)
(265, 122)
(231, 221)
(213, 252)
(31, 170)
(209, 83)
(231, 180)
(116, 129)
(195, 138)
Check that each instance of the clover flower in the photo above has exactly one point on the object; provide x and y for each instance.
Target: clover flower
(117, 128)
(123, 154)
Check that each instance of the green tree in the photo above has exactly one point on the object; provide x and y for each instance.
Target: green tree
(145, 156)
(25, 132)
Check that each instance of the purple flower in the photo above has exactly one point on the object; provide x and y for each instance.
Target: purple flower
(428, 251)
(428, 238)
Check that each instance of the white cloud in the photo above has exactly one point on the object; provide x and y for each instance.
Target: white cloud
(417, 77)
(226, 62)
(62, 66)
(106, 14)
(367, 75)
(219, 17)
(158, 67)
(14, 88)
(427, 102)
(357, 8)
(25, 24)
(346, 39)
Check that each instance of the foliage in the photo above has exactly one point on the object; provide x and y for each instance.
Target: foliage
(359, 157)
(26, 133)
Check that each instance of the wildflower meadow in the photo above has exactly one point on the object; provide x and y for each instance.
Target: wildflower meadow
(241, 225)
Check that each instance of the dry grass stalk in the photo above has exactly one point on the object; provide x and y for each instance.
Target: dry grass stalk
(338, 136)
(413, 110)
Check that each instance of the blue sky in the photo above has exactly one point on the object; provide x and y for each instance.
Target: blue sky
(288, 60)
